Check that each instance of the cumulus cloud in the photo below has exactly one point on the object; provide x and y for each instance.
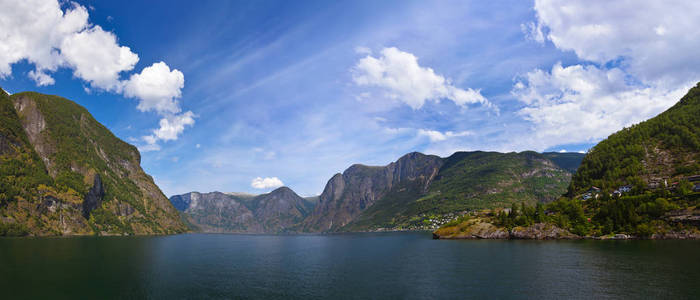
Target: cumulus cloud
(41, 78)
(43, 34)
(157, 88)
(46, 36)
(170, 129)
(585, 103)
(400, 75)
(639, 58)
(97, 58)
(266, 183)
(437, 136)
(34, 30)
(657, 40)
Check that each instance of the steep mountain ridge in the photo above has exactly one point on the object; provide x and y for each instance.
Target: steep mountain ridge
(63, 173)
(348, 194)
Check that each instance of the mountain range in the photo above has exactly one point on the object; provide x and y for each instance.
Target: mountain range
(405, 194)
(64, 173)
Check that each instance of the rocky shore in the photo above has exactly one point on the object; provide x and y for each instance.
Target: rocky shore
(482, 229)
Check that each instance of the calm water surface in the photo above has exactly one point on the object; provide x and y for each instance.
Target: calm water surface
(367, 265)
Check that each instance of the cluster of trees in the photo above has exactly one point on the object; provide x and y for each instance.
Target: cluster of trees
(13, 229)
(522, 215)
(639, 213)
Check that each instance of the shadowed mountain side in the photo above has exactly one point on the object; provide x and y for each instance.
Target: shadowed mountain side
(274, 212)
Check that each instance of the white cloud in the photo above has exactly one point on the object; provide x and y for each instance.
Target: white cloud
(157, 87)
(197, 146)
(658, 40)
(639, 58)
(41, 78)
(97, 58)
(399, 74)
(34, 30)
(437, 136)
(578, 103)
(266, 183)
(40, 32)
(170, 127)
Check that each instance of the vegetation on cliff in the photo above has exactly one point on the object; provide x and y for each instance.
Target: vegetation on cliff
(53, 154)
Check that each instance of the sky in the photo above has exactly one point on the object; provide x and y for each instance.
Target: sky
(247, 96)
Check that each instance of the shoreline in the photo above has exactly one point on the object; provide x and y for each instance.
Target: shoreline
(545, 231)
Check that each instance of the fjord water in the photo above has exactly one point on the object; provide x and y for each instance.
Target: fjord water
(362, 265)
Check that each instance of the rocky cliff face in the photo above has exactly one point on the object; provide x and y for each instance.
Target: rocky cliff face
(275, 212)
(216, 212)
(64, 173)
(93, 199)
(347, 195)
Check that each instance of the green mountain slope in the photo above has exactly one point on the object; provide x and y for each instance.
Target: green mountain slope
(641, 181)
(468, 181)
(666, 147)
(63, 173)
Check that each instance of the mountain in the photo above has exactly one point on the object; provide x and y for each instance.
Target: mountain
(64, 173)
(666, 147)
(418, 187)
(275, 212)
(468, 181)
(349, 194)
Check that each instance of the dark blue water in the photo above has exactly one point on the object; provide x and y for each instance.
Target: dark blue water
(362, 266)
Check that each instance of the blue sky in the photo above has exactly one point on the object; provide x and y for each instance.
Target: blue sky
(244, 96)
